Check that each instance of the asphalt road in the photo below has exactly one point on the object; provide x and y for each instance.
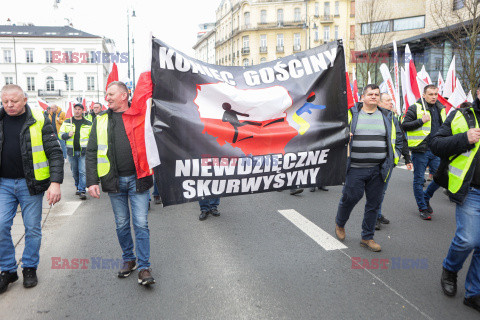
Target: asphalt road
(249, 263)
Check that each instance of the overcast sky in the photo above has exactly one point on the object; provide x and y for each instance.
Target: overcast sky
(174, 22)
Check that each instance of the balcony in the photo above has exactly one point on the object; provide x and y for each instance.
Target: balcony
(263, 49)
(50, 93)
(297, 48)
(280, 49)
(245, 50)
(326, 19)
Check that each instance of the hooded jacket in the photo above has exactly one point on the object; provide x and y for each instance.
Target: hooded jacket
(58, 117)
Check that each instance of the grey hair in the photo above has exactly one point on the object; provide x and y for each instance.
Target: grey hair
(9, 87)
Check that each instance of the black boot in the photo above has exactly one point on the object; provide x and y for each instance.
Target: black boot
(30, 279)
(6, 278)
(203, 215)
(449, 282)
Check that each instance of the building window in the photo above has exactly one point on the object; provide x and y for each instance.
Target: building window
(409, 23)
(67, 55)
(352, 32)
(280, 16)
(296, 41)
(69, 83)
(29, 55)
(245, 62)
(50, 84)
(352, 9)
(326, 33)
(30, 84)
(458, 4)
(296, 16)
(280, 42)
(91, 83)
(48, 56)
(317, 9)
(8, 80)
(263, 16)
(246, 42)
(316, 34)
(438, 63)
(246, 17)
(263, 43)
(7, 56)
(336, 32)
(376, 27)
(337, 8)
(262, 60)
(326, 9)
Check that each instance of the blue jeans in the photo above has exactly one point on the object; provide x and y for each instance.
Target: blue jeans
(155, 192)
(64, 147)
(12, 193)
(358, 181)
(139, 205)
(422, 160)
(77, 165)
(466, 239)
(209, 204)
(383, 194)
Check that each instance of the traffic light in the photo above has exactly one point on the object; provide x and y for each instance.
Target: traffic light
(66, 79)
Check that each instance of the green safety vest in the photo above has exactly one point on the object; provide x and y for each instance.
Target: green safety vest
(103, 164)
(460, 164)
(84, 134)
(41, 168)
(393, 136)
(415, 137)
(88, 116)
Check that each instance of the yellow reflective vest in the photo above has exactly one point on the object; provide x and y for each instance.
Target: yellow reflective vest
(84, 134)
(103, 163)
(460, 164)
(41, 168)
(415, 137)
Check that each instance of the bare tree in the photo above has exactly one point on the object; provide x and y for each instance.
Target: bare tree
(460, 22)
(373, 36)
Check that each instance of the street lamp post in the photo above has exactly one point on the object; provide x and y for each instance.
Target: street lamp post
(133, 60)
(128, 38)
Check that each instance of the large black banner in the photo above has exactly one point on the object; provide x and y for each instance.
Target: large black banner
(224, 131)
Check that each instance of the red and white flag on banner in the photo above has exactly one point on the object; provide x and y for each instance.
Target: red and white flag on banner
(355, 86)
(69, 112)
(410, 83)
(458, 96)
(42, 104)
(451, 80)
(423, 74)
(138, 127)
(403, 77)
(387, 78)
(440, 84)
(113, 76)
(469, 96)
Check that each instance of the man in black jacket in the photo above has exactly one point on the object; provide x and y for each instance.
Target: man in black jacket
(75, 132)
(110, 159)
(457, 143)
(420, 125)
(31, 162)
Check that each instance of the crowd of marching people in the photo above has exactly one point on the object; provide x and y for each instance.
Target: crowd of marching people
(34, 146)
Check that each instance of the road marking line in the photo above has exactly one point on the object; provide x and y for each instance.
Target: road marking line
(66, 208)
(391, 289)
(321, 237)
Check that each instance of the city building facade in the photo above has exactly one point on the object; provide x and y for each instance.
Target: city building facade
(56, 64)
(256, 31)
